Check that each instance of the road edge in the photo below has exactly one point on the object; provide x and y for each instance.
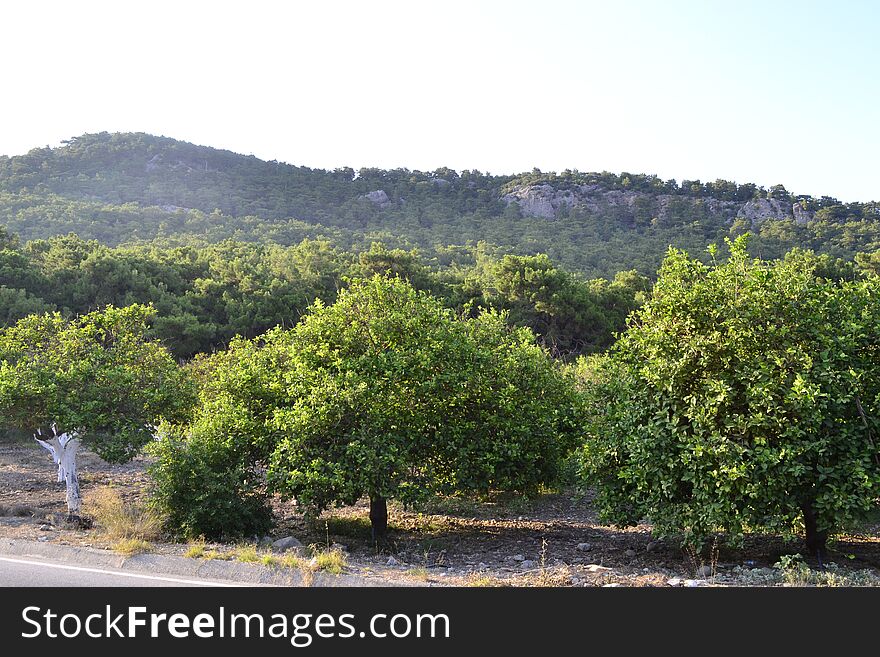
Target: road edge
(248, 574)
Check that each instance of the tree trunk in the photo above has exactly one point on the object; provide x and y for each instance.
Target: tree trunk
(63, 448)
(378, 517)
(815, 539)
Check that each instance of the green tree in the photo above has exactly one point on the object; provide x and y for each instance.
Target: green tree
(386, 394)
(744, 395)
(95, 379)
(569, 314)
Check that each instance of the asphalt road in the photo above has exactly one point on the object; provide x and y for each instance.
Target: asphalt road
(16, 571)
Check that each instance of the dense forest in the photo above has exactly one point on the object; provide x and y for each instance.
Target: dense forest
(205, 296)
(223, 244)
(136, 188)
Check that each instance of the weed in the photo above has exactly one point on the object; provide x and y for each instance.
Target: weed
(216, 554)
(795, 572)
(419, 572)
(331, 561)
(246, 554)
(196, 549)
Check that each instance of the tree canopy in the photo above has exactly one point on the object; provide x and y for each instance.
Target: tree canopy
(97, 375)
(744, 395)
(385, 393)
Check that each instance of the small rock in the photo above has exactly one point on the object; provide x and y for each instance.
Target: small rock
(42, 539)
(517, 557)
(694, 582)
(584, 547)
(528, 564)
(287, 543)
(392, 562)
(704, 572)
(675, 581)
(630, 553)
(46, 528)
(613, 585)
(481, 566)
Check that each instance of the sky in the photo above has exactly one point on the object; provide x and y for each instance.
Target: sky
(753, 91)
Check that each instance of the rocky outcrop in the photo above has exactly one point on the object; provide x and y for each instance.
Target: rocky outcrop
(378, 198)
(802, 216)
(547, 202)
(759, 210)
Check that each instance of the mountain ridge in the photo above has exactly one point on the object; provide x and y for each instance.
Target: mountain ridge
(596, 222)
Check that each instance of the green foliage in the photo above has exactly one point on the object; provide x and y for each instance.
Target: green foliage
(206, 296)
(204, 487)
(795, 572)
(384, 393)
(743, 394)
(97, 374)
(392, 397)
(121, 188)
(225, 245)
(570, 314)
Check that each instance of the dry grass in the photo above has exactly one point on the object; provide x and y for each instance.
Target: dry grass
(131, 546)
(419, 572)
(484, 581)
(244, 553)
(119, 520)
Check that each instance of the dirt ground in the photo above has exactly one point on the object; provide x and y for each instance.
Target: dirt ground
(553, 540)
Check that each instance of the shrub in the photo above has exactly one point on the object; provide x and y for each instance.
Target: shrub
(204, 488)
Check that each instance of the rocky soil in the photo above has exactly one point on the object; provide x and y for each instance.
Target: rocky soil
(553, 540)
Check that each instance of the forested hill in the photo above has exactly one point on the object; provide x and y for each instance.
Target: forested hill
(120, 188)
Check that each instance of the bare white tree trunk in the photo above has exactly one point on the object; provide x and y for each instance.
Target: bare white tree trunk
(63, 448)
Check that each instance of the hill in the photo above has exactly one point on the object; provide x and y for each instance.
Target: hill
(134, 187)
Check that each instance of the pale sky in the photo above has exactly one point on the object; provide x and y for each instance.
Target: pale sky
(752, 91)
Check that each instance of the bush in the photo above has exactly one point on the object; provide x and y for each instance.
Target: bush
(204, 488)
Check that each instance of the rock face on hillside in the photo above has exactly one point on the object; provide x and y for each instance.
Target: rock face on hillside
(549, 202)
(802, 216)
(378, 198)
(546, 201)
(759, 210)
